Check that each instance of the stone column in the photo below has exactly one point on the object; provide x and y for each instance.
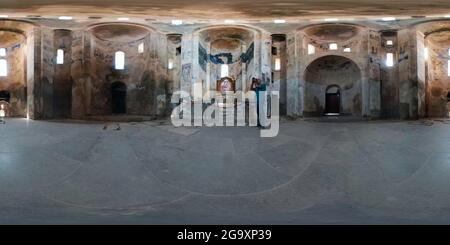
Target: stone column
(407, 90)
(374, 73)
(257, 56)
(266, 68)
(45, 90)
(390, 103)
(88, 54)
(186, 62)
(33, 72)
(421, 75)
(266, 59)
(187, 55)
(292, 87)
(197, 86)
(78, 75)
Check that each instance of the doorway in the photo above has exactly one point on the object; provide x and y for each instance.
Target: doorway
(119, 98)
(332, 100)
(5, 96)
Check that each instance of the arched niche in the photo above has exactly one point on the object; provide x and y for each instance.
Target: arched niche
(233, 46)
(328, 72)
(14, 39)
(17, 40)
(144, 72)
(433, 44)
(438, 80)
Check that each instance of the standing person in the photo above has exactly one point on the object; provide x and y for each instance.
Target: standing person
(254, 84)
(258, 87)
(2, 114)
(448, 104)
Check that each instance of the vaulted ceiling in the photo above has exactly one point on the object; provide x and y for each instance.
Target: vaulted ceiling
(225, 9)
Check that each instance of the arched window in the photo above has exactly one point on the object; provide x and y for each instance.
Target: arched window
(141, 48)
(60, 57)
(277, 64)
(311, 49)
(224, 70)
(389, 59)
(3, 68)
(119, 60)
(170, 64)
(333, 46)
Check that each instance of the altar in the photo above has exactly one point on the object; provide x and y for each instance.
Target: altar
(228, 104)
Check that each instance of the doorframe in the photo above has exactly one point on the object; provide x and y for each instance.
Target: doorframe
(340, 99)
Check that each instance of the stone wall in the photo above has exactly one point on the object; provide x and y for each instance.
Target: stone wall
(145, 74)
(374, 72)
(332, 70)
(432, 71)
(352, 46)
(14, 83)
(413, 87)
(233, 46)
(62, 79)
(438, 80)
(279, 77)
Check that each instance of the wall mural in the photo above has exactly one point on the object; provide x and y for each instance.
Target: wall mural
(248, 56)
(223, 58)
(202, 57)
(186, 70)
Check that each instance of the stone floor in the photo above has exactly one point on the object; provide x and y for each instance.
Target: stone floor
(377, 172)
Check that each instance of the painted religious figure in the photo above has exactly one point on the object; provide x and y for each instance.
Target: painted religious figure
(226, 84)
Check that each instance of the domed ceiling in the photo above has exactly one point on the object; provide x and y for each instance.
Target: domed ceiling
(8, 39)
(441, 38)
(120, 32)
(213, 34)
(221, 9)
(332, 32)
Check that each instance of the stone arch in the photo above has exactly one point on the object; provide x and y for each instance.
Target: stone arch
(221, 26)
(18, 39)
(145, 72)
(92, 27)
(331, 71)
(331, 23)
(433, 81)
(239, 46)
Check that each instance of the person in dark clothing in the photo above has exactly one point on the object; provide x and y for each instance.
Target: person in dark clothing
(2, 114)
(258, 87)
